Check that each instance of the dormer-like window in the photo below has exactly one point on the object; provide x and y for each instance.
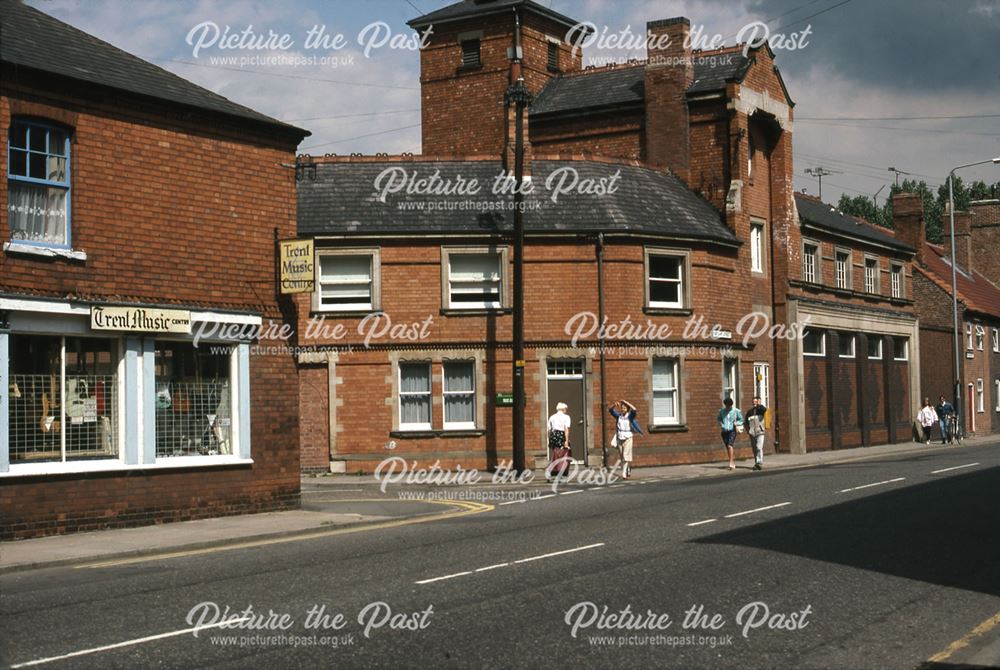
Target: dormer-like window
(471, 57)
(38, 183)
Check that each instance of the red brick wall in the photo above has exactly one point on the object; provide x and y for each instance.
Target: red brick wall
(169, 208)
(986, 239)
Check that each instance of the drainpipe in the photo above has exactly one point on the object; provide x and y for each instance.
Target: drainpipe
(600, 344)
(774, 308)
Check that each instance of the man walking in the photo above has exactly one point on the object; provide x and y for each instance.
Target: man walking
(945, 410)
(755, 430)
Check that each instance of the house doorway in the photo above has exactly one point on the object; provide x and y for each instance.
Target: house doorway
(566, 383)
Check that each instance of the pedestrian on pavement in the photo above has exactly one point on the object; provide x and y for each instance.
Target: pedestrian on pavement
(730, 421)
(945, 410)
(626, 427)
(756, 430)
(927, 418)
(559, 449)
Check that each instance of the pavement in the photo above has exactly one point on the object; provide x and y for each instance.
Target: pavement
(340, 501)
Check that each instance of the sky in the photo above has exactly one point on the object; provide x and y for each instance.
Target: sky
(859, 71)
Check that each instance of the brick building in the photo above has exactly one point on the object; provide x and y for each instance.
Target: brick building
(125, 189)
(978, 317)
(700, 228)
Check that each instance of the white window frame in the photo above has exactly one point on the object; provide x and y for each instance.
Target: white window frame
(446, 280)
(757, 246)
(906, 348)
(675, 390)
(996, 340)
(457, 425)
(762, 382)
(731, 379)
(878, 341)
(980, 337)
(996, 393)
(842, 271)
(980, 397)
(814, 262)
(374, 280)
(822, 343)
(872, 279)
(429, 393)
(847, 337)
(896, 280)
(684, 281)
(968, 337)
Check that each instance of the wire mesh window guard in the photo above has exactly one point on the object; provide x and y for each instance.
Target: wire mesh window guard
(193, 400)
(63, 398)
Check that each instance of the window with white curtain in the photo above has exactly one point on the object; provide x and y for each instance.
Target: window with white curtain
(346, 282)
(414, 396)
(475, 280)
(665, 391)
(38, 183)
(459, 394)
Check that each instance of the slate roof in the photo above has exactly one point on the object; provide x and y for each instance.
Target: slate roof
(33, 39)
(978, 294)
(818, 214)
(470, 8)
(620, 86)
(342, 199)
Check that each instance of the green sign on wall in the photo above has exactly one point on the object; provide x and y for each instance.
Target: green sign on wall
(505, 399)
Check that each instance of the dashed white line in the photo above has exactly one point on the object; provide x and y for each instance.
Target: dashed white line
(551, 495)
(129, 643)
(868, 486)
(957, 467)
(759, 509)
(566, 493)
(508, 564)
(512, 502)
(699, 523)
(560, 553)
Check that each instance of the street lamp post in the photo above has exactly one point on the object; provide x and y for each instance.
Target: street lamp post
(954, 284)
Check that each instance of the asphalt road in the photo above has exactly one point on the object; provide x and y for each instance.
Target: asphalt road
(871, 564)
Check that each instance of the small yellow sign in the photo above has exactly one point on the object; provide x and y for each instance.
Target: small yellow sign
(298, 266)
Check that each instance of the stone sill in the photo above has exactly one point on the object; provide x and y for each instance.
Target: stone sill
(15, 247)
(424, 434)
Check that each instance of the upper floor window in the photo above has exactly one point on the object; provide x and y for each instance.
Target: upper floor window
(553, 57)
(470, 53)
(968, 336)
(474, 278)
(730, 381)
(871, 275)
(751, 149)
(996, 339)
(348, 280)
(896, 281)
(666, 279)
(38, 183)
(757, 247)
(843, 260)
(810, 263)
(980, 336)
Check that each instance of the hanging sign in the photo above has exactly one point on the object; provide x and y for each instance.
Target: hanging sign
(298, 266)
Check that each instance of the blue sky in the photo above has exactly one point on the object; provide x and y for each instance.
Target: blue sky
(865, 59)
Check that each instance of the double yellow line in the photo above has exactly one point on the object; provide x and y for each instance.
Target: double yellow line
(466, 508)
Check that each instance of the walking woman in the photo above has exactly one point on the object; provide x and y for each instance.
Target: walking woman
(730, 421)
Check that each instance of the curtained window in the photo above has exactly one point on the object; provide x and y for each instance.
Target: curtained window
(38, 184)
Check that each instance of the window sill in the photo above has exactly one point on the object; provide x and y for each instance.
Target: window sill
(465, 69)
(667, 311)
(450, 432)
(15, 247)
(346, 313)
(475, 311)
(84, 467)
(667, 428)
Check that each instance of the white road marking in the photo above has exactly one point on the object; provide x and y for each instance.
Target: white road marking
(566, 493)
(560, 553)
(615, 486)
(957, 467)
(512, 502)
(759, 509)
(438, 579)
(508, 564)
(698, 523)
(868, 486)
(551, 495)
(492, 567)
(128, 643)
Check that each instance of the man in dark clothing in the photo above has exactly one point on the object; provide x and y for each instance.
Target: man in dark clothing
(945, 410)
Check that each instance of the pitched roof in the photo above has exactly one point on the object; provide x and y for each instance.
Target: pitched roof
(342, 199)
(470, 8)
(607, 87)
(818, 214)
(978, 294)
(33, 39)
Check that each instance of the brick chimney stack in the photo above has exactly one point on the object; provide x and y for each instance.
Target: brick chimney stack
(963, 239)
(669, 74)
(908, 220)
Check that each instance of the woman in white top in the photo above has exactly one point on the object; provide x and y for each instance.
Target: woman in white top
(927, 418)
(559, 424)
